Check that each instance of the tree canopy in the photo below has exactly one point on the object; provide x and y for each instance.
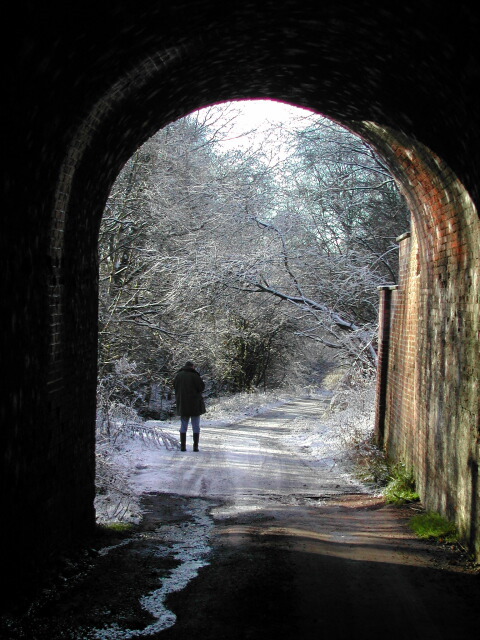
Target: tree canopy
(255, 260)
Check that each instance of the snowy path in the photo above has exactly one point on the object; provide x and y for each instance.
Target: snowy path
(256, 467)
(280, 545)
(251, 465)
(247, 463)
(245, 531)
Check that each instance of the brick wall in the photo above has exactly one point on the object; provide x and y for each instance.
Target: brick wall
(431, 418)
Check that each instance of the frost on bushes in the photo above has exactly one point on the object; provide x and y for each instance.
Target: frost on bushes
(117, 393)
(115, 501)
(352, 412)
(352, 408)
(119, 425)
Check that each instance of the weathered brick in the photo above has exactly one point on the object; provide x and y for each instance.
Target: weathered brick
(433, 376)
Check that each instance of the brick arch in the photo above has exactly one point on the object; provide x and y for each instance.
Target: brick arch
(432, 400)
(99, 93)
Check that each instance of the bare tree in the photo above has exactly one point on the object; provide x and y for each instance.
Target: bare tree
(332, 239)
(237, 258)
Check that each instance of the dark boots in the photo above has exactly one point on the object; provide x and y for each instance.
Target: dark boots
(183, 441)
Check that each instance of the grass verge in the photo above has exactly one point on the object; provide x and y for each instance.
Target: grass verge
(433, 526)
(373, 468)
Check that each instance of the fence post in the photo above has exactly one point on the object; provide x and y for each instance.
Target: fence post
(384, 313)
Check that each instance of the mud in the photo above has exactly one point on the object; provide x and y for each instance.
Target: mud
(347, 568)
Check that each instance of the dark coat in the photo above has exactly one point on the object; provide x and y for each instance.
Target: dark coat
(188, 392)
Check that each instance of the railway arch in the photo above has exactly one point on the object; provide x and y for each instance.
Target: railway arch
(88, 83)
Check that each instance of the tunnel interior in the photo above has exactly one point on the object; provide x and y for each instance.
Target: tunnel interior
(90, 84)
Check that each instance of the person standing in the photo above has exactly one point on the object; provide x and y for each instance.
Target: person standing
(190, 405)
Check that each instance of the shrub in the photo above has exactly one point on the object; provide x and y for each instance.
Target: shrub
(370, 463)
(401, 486)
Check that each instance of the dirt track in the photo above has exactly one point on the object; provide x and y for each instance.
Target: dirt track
(282, 549)
(346, 569)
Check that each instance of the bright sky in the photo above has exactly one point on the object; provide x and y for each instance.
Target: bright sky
(256, 112)
(259, 114)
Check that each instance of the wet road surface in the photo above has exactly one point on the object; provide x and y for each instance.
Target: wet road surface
(249, 539)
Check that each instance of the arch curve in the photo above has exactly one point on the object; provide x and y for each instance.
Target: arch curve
(93, 90)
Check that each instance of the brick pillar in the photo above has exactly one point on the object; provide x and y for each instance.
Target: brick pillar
(383, 354)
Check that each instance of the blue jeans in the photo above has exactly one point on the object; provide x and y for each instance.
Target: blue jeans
(195, 423)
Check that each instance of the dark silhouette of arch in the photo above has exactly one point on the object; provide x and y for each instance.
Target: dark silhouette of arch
(88, 83)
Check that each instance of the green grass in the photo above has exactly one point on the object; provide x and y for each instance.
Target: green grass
(401, 486)
(119, 527)
(434, 526)
(114, 530)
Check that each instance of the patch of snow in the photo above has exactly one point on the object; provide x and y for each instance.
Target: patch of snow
(239, 464)
(190, 546)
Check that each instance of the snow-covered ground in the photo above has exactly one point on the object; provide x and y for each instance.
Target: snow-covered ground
(133, 464)
(257, 452)
(141, 464)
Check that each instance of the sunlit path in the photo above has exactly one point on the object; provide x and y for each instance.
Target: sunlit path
(253, 538)
(299, 547)
(248, 463)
